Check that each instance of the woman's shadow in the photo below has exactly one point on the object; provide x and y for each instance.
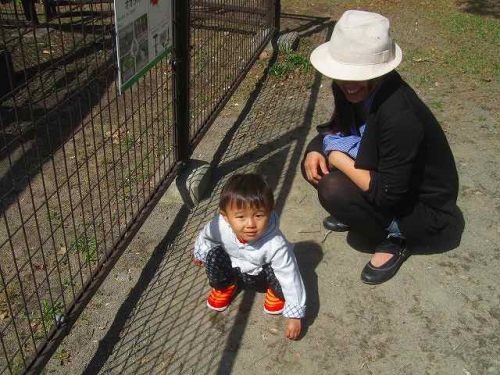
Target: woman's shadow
(309, 254)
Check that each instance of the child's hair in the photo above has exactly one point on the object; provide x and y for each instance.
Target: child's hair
(246, 189)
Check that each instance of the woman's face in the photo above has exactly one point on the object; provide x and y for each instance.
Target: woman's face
(356, 91)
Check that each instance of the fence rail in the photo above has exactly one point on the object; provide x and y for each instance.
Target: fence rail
(82, 165)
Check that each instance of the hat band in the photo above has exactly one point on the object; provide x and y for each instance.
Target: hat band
(361, 59)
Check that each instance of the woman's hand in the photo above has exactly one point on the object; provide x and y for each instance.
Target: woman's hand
(314, 163)
(293, 328)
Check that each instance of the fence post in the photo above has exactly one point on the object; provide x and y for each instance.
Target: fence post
(180, 64)
(277, 14)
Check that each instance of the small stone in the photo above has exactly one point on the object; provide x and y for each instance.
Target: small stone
(288, 41)
(264, 55)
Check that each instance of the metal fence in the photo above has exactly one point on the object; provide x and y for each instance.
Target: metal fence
(81, 165)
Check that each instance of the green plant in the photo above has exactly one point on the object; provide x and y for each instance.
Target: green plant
(129, 142)
(51, 313)
(52, 87)
(131, 178)
(87, 247)
(480, 28)
(289, 62)
(19, 4)
(55, 218)
(48, 315)
(44, 43)
(438, 104)
(164, 148)
(478, 38)
(17, 365)
(61, 355)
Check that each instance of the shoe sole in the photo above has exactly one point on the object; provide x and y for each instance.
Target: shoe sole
(335, 228)
(219, 309)
(273, 312)
(374, 282)
(383, 281)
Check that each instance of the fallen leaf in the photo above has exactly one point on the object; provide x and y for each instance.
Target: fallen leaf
(116, 135)
(62, 251)
(264, 55)
(40, 266)
(3, 315)
(35, 326)
(63, 355)
(419, 59)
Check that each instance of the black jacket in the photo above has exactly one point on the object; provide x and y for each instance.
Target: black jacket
(413, 173)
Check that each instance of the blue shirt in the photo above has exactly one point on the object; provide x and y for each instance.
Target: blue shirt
(348, 144)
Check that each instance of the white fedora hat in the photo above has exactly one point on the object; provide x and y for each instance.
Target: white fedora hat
(361, 48)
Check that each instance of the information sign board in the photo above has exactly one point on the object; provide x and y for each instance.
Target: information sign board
(143, 36)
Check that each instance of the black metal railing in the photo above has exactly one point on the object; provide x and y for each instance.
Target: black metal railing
(81, 165)
(225, 36)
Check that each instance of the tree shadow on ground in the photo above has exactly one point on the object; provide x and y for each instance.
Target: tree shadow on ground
(50, 101)
(490, 8)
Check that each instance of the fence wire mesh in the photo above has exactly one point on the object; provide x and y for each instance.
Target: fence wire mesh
(78, 161)
(225, 36)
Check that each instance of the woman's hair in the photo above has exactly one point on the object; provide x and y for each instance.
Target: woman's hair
(242, 190)
(346, 115)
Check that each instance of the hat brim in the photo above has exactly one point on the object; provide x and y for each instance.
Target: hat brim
(326, 65)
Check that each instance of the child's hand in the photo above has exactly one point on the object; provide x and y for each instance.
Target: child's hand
(293, 328)
(197, 262)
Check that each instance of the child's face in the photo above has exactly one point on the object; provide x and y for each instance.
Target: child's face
(248, 223)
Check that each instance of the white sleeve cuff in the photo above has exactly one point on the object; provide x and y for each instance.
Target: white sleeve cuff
(294, 311)
(200, 255)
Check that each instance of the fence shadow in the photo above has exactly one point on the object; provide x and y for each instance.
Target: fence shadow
(164, 325)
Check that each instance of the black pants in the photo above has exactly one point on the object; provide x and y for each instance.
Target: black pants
(345, 201)
(221, 274)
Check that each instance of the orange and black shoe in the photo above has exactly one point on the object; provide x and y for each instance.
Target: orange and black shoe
(219, 299)
(272, 304)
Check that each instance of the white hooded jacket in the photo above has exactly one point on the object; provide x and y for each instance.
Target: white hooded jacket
(271, 248)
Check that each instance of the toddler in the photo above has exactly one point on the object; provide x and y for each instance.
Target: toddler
(243, 246)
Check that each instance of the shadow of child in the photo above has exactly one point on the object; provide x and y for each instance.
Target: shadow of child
(309, 254)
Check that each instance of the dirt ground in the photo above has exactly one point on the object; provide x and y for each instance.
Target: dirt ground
(439, 315)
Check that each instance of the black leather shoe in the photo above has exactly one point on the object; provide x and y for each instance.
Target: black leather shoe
(378, 275)
(334, 225)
